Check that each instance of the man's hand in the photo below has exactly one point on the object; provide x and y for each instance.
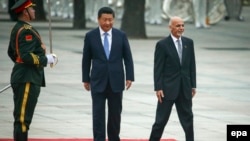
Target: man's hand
(160, 95)
(193, 92)
(86, 85)
(128, 84)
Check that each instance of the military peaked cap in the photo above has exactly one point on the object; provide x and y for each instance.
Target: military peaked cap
(20, 5)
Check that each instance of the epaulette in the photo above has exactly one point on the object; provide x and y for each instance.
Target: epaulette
(26, 26)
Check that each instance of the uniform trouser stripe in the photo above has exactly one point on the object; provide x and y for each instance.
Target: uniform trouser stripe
(24, 103)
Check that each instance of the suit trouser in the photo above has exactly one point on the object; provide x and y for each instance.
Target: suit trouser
(114, 114)
(25, 100)
(233, 8)
(163, 111)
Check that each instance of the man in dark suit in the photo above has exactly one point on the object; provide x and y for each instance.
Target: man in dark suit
(233, 9)
(106, 54)
(174, 80)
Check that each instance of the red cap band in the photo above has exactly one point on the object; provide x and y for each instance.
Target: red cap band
(23, 6)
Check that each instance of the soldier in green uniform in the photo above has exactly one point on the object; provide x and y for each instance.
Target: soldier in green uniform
(28, 53)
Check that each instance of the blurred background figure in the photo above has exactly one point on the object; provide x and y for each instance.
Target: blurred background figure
(154, 12)
(89, 4)
(60, 8)
(200, 13)
(233, 9)
(215, 11)
(56, 7)
(117, 6)
(12, 14)
(180, 8)
(3, 5)
(67, 11)
(94, 6)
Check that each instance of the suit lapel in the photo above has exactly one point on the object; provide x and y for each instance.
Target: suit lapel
(99, 43)
(184, 49)
(112, 42)
(173, 49)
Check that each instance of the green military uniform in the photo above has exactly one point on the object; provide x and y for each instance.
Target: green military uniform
(27, 74)
(27, 77)
(28, 55)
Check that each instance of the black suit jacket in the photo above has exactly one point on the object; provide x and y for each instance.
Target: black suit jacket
(98, 70)
(171, 76)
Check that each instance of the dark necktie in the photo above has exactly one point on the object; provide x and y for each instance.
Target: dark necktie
(106, 44)
(179, 49)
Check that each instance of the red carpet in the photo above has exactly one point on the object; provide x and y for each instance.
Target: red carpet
(77, 139)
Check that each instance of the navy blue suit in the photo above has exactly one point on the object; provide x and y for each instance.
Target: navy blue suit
(107, 79)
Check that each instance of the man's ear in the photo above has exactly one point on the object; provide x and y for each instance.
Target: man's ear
(24, 12)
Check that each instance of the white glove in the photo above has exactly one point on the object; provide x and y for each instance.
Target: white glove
(52, 59)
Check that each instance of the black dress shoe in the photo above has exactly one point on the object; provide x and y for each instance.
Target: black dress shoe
(21, 136)
(227, 18)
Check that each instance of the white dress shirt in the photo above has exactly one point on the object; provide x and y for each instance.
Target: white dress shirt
(109, 37)
(175, 41)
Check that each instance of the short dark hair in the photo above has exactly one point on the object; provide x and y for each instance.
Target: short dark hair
(106, 10)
